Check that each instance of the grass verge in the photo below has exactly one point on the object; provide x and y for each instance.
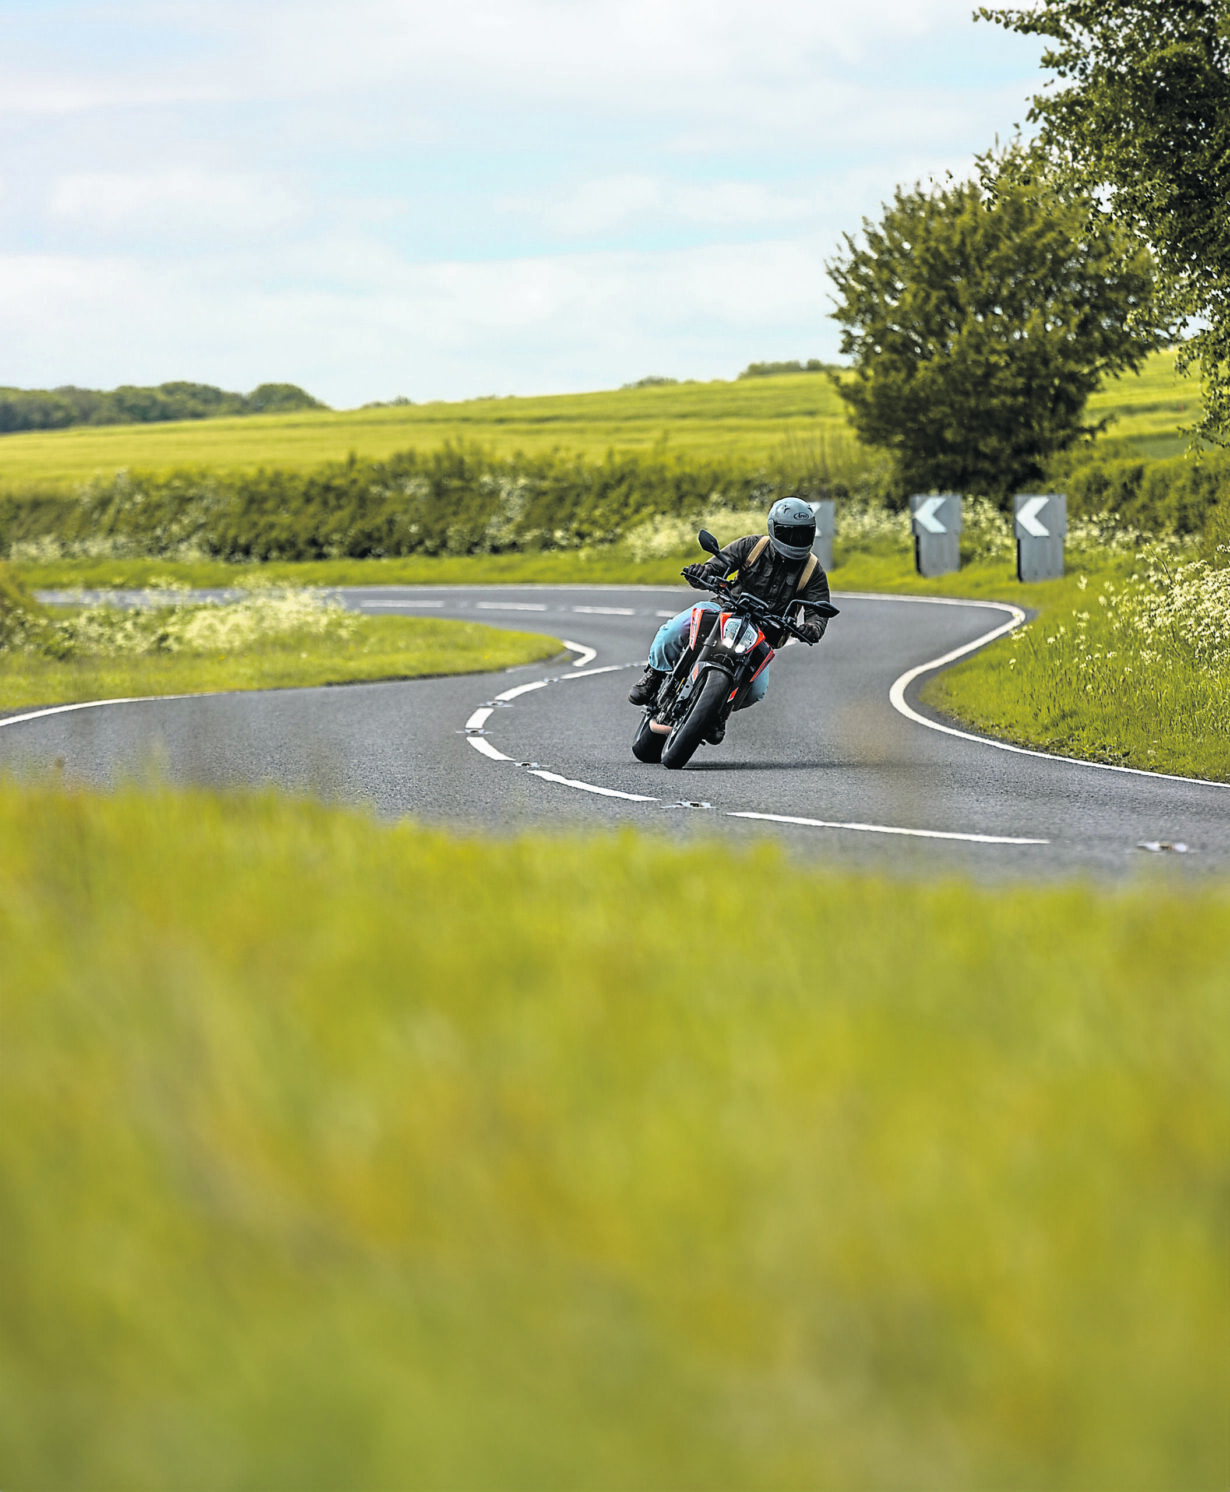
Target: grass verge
(337, 1156)
(373, 648)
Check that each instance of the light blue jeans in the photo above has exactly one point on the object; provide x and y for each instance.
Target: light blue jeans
(672, 638)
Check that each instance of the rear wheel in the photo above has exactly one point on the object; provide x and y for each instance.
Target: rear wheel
(647, 744)
(689, 733)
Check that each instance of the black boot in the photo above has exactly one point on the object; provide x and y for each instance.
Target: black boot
(646, 687)
(716, 733)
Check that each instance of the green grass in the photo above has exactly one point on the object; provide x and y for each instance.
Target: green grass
(1149, 408)
(753, 418)
(1083, 680)
(608, 566)
(377, 648)
(334, 1156)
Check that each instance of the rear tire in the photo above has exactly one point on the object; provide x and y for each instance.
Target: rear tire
(689, 733)
(647, 744)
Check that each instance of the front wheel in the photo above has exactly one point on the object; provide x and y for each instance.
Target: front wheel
(691, 731)
(647, 744)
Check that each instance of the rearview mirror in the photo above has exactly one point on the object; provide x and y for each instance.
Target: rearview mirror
(706, 541)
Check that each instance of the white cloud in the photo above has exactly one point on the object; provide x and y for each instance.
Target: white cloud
(371, 325)
(620, 202)
(172, 203)
(719, 60)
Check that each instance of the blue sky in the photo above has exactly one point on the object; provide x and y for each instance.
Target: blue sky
(516, 196)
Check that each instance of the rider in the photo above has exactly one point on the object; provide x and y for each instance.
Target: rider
(770, 567)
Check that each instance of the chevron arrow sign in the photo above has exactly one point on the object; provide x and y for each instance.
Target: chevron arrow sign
(926, 515)
(1029, 520)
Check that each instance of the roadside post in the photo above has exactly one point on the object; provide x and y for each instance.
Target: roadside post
(1040, 524)
(936, 522)
(826, 528)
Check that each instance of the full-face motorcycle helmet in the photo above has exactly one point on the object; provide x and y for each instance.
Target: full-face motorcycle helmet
(792, 528)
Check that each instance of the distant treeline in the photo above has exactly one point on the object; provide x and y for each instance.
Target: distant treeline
(55, 409)
(771, 370)
(455, 500)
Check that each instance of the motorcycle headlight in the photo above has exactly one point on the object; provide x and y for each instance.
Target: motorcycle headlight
(739, 634)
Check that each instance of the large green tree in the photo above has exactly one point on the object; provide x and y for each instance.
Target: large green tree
(1140, 118)
(980, 316)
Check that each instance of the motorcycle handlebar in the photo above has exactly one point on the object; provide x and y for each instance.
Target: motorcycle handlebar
(752, 603)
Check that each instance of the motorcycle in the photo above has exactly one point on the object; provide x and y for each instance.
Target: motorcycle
(725, 653)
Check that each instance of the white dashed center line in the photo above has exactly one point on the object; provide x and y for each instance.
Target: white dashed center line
(509, 606)
(783, 818)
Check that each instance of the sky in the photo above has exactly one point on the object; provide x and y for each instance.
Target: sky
(388, 197)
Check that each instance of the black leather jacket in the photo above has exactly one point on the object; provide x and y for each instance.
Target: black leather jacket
(774, 579)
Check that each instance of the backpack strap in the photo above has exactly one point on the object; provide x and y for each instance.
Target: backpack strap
(758, 548)
(809, 569)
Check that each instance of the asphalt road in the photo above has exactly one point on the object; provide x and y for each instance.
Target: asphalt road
(835, 744)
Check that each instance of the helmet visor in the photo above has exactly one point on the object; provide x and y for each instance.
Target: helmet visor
(798, 535)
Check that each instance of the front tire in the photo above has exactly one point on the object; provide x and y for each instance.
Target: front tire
(690, 732)
(647, 744)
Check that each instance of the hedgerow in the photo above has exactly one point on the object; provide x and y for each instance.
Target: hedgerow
(454, 501)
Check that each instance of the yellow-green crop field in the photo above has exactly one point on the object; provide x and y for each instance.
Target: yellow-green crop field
(753, 418)
(336, 1156)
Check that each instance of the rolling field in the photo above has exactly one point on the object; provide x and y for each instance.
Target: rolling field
(341, 1156)
(752, 418)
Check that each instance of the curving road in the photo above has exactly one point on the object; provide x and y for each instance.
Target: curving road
(838, 762)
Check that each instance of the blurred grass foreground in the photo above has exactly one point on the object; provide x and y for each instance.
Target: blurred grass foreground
(336, 1156)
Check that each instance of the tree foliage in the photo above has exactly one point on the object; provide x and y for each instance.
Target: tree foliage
(980, 316)
(1142, 122)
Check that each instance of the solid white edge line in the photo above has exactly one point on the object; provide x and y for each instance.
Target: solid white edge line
(479, 719)
(896, 696)
(579, 647)
(480, 743)
(782, 818)
(589, 787)
(95, 704)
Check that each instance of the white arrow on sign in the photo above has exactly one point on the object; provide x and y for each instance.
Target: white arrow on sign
(926, 515)
(1028, 518)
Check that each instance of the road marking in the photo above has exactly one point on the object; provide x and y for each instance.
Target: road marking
(590, 672)
(1029, 520)
(480, 743)
(479, 718)
(522, 689)
(589, 787)
(897, 693)
(606, 610)
(783, 818)
(398, 604)
(95, 704)
(579, 647)
(509, 606)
